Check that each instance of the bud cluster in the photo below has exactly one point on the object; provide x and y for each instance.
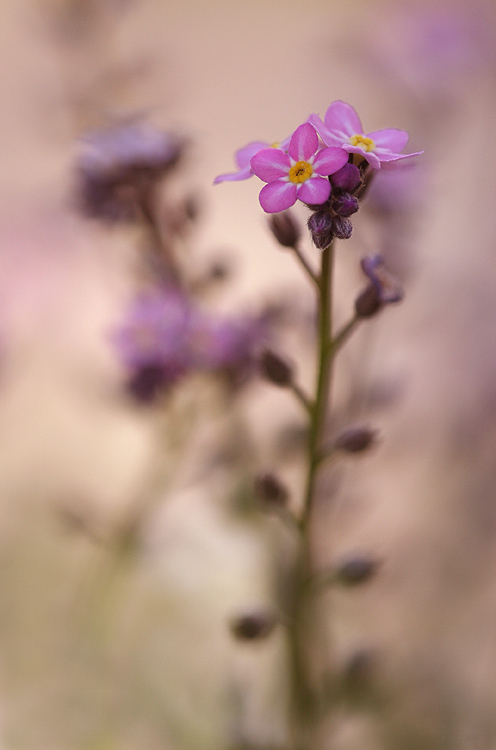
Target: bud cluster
(332, 218)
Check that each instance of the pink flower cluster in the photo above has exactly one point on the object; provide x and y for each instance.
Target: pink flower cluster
(299, 168)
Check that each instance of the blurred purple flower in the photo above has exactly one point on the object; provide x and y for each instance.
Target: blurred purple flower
(436, 50)
(164, 337)
(342, 128)
(301, 173)
(117, 164)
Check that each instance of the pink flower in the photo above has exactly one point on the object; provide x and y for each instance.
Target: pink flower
(243, 157)
(342, 127)
(301, 173)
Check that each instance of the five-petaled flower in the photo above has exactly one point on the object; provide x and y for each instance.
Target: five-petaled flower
(342, 127)
(243, 157)
(301, 173)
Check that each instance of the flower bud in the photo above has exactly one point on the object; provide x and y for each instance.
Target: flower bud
(254, 625)
(388, 287)
(147, 382)
(356, 570)
(275, 369)
(320, 227)
(285, 229)
(368, 302)
(355, 439)
(270, 491)
(342, 228)
(358, 671)
(345, 204)
(347, 178)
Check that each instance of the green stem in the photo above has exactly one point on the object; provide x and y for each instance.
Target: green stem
(325, 351)
(302, 397)
(305, 264)
(303, 699)
(342, 335)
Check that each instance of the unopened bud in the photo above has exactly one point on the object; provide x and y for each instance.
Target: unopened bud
(345, 204)
(146, 384)
(270, 491)
(342, 228)
(275, 369)
(347, 178)
(359, 670)
(320, 227)
(254, 625)
(355, 439)
(285, 229)
(356, 570)
(368, 302)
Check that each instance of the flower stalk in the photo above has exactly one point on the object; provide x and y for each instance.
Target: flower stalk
(304, 700)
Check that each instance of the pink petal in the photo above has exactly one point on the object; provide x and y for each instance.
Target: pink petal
(341, 119)
(245, 154)
(390, 139)
(330, 139)
(277, 196)
(270, 163)
(243, 174)
(304, 142)
(389, 161)
(315, 191)
(372, 158)
(329, 160)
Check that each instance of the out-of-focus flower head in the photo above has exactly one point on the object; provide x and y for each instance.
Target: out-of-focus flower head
(117, 164)
(301, 173)
(435, 50)
(342, 128)
(165, 336)
(151, 341)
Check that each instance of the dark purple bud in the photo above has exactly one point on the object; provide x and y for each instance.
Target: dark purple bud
(355, 439)
(254, 625)
(388, 288)
(270, 491)
(347, 178)
(320, 227)
(368, 302)
(147, 382)
(342, 228)
(285, 229)
(275, 369)
(345, 204)
(356, 570)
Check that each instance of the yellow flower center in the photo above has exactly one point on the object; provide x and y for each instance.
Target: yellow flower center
(300, 172)
(363, 142)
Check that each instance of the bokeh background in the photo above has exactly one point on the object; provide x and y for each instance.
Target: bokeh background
(98, 650)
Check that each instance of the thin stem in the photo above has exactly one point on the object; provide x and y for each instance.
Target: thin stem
(343, 334)
(302, 397)
(160, 259)
(305, 264)
(323, 377)
(303, 698)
